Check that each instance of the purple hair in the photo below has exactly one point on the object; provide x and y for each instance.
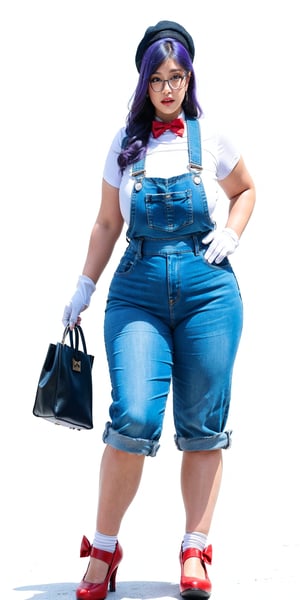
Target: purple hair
(141, 114)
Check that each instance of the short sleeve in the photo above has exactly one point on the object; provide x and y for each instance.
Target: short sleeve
(111, 171)
(228, 156)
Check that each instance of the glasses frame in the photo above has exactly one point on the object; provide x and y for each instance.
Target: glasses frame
(164, 81)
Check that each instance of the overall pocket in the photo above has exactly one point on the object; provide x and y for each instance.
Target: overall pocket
(169, 211)
(127, 262)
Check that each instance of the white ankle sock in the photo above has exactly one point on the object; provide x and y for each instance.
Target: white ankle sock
(195, 539)
(105, 542)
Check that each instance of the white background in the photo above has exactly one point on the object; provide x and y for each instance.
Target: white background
(67, 73)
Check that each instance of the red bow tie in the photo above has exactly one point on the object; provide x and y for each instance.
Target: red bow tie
(177, 126)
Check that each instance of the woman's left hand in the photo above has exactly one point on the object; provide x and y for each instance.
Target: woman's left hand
(221, 244)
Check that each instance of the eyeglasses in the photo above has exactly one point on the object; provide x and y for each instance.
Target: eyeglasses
(175, 82)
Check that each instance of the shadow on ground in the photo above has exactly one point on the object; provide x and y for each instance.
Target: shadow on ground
(136, 590)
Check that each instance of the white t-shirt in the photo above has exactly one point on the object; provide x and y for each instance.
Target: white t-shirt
(167, 156)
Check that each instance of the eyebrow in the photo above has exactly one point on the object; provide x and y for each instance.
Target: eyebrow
(179, 69)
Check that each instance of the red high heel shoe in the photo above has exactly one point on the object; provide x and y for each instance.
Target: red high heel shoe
(192, 587)
(98, 591)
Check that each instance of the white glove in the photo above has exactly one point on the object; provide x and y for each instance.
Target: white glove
(221, 244)
(80, 300)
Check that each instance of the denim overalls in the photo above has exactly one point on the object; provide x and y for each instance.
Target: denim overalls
(171, 317)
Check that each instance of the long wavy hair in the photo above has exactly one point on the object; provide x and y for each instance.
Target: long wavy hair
(141, 113)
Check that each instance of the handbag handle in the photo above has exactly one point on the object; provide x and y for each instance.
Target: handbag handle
(78, 332)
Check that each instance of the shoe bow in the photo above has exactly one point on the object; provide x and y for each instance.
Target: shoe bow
(206, 554)
(85, 548)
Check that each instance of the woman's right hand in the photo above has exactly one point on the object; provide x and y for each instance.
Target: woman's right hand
(79, 301)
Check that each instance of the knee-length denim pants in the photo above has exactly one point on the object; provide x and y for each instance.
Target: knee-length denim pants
(172, 321)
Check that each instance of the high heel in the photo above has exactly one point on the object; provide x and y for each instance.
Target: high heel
(98, 591)
(193, 587)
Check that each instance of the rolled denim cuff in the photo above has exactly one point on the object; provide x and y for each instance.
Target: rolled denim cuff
(127, 444)
(213, 442)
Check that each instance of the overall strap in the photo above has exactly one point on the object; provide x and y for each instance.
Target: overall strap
(138, 168)
(194, 143)
(138, 172)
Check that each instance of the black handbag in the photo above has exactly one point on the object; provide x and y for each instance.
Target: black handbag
(64, 394)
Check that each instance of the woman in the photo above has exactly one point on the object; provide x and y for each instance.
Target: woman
(174, 311)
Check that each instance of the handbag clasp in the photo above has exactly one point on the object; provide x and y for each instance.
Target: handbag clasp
(76, 365)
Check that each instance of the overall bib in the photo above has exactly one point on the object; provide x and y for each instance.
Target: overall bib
(171, 318)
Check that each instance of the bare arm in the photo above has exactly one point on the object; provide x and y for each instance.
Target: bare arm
(106, 231)
(240, 190)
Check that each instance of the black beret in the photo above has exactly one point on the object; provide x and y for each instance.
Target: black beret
(161, 30)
